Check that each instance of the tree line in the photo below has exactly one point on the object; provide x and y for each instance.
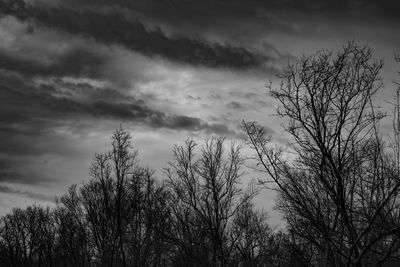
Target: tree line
(337, 182)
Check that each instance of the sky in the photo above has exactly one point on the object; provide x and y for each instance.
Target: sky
(72, 71)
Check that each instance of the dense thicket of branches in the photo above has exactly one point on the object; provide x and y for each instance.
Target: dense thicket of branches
(123, 216)
(337, 180)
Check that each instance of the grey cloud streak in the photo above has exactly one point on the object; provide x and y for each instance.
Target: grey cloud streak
(30, 109)
(9, 174)
(29, 194)
(31, 113)
(114, 28)
(207, 10)
(269, 14)
(76, 62)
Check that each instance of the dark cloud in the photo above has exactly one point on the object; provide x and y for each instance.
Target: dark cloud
(226, 16)
(75, 62)
(32, 142)
(210, 9)
(114, 28)
(257, 99)
(181, 122)
(155, 119)
(29, 113)
(246, 95)
(9, 174)
(29, 194)
(234, 105)
(220, 129)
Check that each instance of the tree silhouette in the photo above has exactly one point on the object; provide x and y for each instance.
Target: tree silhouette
(337, 182)
(207, 196)
(28, 237)
(119, 214)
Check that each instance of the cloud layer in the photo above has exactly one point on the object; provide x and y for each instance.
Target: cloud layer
(72, 70)
(115, 28)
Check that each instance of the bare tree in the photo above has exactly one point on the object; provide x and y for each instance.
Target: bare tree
(28, 237)
(337, 180)
(252, 237)
(73, 244)
(98, 200)
(123, 216)
(206, 196)
(106, 201)
(119, 215)
(148, 220)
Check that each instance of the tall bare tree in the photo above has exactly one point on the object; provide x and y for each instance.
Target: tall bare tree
(337, 181)
(120, 214)
(206, 194)
(73, 242)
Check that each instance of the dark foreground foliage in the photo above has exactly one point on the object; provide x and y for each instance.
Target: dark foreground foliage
(123, 216)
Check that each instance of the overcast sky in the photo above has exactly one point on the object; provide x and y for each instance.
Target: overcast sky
(71, 71)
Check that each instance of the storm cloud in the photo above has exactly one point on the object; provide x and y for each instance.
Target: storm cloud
(31, 113)
(73, 70)
(76, 62)
(210, 11)
(28, 194)
(244, 19)
(25, 103)
(115, 28)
